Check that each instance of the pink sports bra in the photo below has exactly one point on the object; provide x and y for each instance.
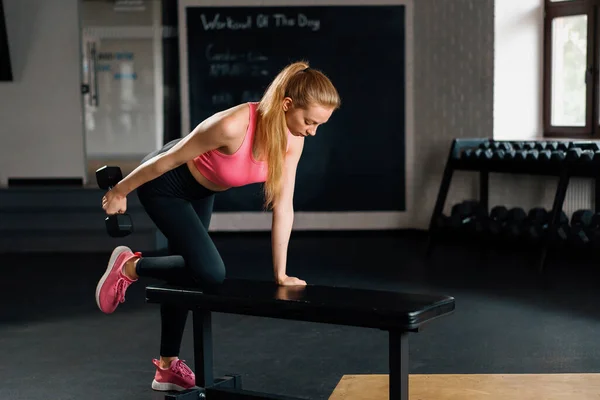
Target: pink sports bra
(239, 168)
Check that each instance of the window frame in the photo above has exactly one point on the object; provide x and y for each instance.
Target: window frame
(566, 8)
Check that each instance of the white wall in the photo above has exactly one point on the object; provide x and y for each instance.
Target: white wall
(518, 106)
(518, 69)
(41, 130)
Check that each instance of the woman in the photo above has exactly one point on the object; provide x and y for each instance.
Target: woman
(248, 143)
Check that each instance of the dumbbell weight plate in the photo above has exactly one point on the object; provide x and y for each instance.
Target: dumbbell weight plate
(537, 222)
(497, 220)
(563, 229)
(119, 225)
(580, 223)
(557, 158)
(552, 146)
(515, 223)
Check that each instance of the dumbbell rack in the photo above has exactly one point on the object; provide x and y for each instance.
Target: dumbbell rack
(563, 169)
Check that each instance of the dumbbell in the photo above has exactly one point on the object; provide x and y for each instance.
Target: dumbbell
(557, 157)
(486, 155)
(516, 223)
(563, 229)
(545, 156)
(471, 154)
(588, 145)
(577, 155)
(521, 156)
(117, 225)
(593, 231)
(536, 156)
(529, 146)
(498, 156)
(497, 220)
(581, 220)
(564, 146)
(537, 223)
(552, 146)
(505, 146)
(532, 156)
(467, 216)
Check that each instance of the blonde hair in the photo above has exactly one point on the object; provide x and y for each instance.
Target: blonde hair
(305, 86)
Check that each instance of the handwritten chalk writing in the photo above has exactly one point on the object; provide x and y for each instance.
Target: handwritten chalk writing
(226, 69)
(218, 23)
(301, 20)
(304, 21)
(280, 20)
(236, 69)
(227, 55)
(252, 56)
(262, 21)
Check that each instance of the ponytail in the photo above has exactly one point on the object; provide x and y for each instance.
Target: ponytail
(271, 133)
(304, 86)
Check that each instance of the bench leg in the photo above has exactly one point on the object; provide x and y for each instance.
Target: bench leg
(203, 349)
(398, 360)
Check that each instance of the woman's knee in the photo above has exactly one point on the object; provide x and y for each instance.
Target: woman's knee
(216, 274)
(208, 272)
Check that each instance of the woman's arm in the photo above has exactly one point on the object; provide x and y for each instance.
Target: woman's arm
(283, 211)
(212, 133)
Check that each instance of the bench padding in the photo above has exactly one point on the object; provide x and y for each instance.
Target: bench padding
(326, 304)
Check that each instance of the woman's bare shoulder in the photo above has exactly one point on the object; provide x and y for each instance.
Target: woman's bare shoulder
(234, 120)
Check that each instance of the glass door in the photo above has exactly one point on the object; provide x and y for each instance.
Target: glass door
(122, 81)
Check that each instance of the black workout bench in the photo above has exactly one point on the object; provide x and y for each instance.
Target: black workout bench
(397, 313)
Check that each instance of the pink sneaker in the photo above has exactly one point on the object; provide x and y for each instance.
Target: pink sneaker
(111, 288)
(177, 377)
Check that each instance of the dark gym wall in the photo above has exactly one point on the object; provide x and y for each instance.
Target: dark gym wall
(357, 161)
(454, 92)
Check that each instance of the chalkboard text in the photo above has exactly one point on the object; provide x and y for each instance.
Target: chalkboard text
(237, 69)
(227, 55)
(278, 20)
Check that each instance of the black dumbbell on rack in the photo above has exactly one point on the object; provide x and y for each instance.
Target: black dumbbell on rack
(497, 220)
(593, 231)
(117, 225)
(538, 220)
(467, 216)
(563, 229)
(581, 221)
(516, 223)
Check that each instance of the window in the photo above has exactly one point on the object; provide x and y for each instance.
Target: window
(571, 64)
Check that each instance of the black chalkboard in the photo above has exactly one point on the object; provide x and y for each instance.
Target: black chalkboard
(356, 162)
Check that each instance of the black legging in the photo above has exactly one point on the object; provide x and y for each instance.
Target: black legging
(181, 209)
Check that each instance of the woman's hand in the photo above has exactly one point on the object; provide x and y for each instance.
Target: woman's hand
(290, 281)
(114, 203)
